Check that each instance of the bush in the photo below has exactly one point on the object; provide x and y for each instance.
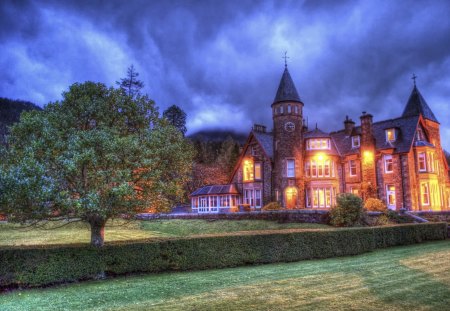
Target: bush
(374, 205)
(39, 266)
(272, 206)
(347, 212)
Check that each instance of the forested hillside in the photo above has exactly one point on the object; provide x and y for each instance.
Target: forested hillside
(10, 111)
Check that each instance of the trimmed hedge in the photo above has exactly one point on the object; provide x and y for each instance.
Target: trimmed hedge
(46, 265)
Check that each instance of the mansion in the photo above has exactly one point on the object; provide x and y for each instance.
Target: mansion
(399, 160)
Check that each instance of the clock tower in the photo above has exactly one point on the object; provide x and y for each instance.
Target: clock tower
(287, 114)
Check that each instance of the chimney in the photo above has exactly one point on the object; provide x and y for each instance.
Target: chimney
(349, 124)
(366, 129)
(259, 128)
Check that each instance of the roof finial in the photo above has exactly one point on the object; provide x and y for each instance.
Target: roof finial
(285, 59)
(316, 125)
(414, 77)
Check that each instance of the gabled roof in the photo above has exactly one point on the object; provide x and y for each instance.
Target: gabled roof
(266, 142)
(417, 105)
(316, 133)
(343, 143)
(216, 189)
(406, 127)
(286, 89)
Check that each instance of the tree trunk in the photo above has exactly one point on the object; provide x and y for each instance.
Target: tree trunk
(97, 232)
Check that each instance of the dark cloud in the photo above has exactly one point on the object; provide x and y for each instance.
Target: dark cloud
(221, 60)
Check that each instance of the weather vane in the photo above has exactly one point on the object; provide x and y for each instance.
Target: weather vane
(414, 77)
(285, 59)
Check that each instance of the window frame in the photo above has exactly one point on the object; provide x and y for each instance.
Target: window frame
(423, 160)
(387, 157)
(356, 138)
(290, 171)
(393, 133)
(255, 165)
(425, 194)
(350, 168)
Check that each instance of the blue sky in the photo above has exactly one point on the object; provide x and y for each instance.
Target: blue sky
(221, 61)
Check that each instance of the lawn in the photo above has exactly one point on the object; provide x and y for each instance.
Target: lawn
(403, 278)
(120, 230)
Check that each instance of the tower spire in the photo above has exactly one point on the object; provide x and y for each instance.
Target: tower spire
(414, 77)
(285, 59)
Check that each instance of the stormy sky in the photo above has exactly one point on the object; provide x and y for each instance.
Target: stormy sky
(221, 61)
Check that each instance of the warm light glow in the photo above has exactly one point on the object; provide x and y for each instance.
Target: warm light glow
(248, 170)
(320, 156)
(368, 156)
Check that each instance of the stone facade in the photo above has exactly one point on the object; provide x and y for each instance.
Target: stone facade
(399, 161)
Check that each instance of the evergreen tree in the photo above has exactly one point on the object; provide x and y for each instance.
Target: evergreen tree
(131, 85)
(177, 117)
(80, 159)
(228, 154)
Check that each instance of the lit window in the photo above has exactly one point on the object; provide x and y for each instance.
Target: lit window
(390, 193)
(321, 197)
(352, 165)
(388, 164)
(290, 166)
(422, 162)
(390, 135)
(257, 171)
(320, 143)
(425, 194)
(430, 162)
(354, 190)
(355, 141)
(248, 170)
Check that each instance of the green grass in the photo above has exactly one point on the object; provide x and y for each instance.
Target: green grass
(119, 230)
(404, 278)
(180, 227)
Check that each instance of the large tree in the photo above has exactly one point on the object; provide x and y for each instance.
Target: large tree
(177, 117)
(95, 155)
(131, 85)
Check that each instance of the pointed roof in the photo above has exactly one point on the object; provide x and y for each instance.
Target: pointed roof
(417, 105)
(286, 89)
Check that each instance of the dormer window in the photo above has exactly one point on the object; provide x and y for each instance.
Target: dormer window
(254, 151)
(318, 143)
(355, 142)
(390, 135)
(420, 136)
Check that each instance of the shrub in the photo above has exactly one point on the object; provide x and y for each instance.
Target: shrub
(45, 265)
(272, 206)
(374, 205)
(347, 212)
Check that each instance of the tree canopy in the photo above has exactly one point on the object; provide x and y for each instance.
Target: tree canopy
(95, 155)
(177, 117)
(131, 85)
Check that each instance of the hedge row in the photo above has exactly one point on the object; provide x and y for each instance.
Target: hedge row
(46, 265)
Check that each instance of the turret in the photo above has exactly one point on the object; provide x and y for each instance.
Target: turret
(287, 113)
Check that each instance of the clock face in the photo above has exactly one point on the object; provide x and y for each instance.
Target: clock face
(289, 127)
